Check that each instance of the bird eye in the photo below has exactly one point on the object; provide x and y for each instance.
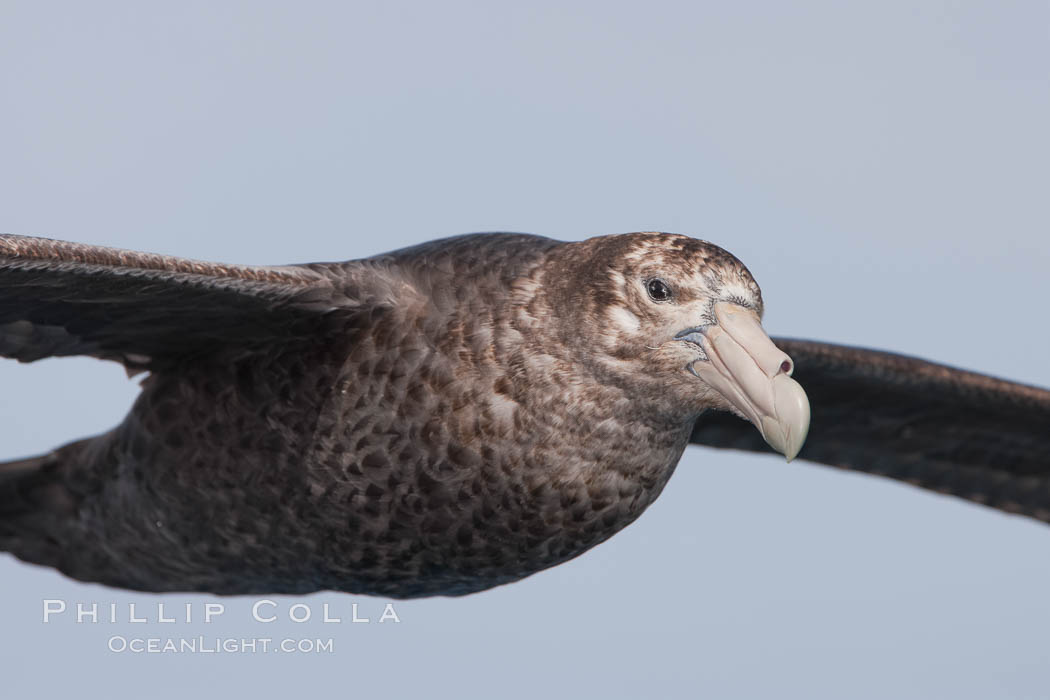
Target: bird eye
(658, 290)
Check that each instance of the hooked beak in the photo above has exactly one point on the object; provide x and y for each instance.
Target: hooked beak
(745, 367)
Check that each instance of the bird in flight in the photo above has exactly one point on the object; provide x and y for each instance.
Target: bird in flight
(448, 417)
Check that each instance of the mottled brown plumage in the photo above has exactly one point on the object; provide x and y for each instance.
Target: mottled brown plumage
(437, 420)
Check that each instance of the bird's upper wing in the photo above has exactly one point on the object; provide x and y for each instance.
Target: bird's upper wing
(945, 429)
(59, 298)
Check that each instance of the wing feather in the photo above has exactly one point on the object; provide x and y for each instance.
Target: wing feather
(59, 298)
(953, 431)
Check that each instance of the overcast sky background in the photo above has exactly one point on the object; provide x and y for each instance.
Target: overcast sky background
(881, 168)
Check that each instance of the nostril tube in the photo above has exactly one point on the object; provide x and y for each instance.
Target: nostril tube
(786, 367)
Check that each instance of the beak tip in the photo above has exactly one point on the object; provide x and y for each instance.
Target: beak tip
(786, 432)
(783, 444)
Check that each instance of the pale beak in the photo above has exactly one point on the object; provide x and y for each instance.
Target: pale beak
(754, 375)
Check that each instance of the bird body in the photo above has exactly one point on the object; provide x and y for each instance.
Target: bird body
(433, 421)
(441, 439)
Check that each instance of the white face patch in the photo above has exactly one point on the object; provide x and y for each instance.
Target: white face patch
(623, 319)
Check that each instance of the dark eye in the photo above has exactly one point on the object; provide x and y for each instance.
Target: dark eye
(658, 290)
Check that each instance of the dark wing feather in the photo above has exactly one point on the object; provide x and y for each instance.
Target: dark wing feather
(945, 429)
(59, 298)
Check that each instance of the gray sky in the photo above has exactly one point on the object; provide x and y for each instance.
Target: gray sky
(881, 169)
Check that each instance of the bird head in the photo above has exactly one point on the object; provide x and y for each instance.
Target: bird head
(677, 321)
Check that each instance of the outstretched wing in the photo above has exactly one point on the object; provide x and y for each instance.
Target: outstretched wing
(945, 429)
(59, 298)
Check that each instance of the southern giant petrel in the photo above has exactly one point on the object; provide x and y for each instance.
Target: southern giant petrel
(448, 417)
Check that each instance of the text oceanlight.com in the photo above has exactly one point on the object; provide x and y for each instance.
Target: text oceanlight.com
(218, 645)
